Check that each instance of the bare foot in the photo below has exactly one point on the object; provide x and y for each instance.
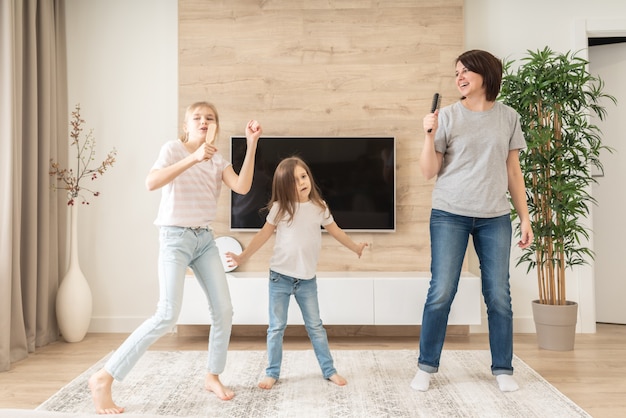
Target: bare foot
(212, 384)
(338, 380)
(267, 382)
(100, 385)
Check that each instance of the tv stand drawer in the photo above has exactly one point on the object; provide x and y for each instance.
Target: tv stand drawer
(345, 298)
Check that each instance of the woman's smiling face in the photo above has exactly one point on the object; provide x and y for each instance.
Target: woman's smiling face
(468, 82)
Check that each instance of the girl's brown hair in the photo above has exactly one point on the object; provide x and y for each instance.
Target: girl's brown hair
(488, 66)
(284, 188)
(192, 108)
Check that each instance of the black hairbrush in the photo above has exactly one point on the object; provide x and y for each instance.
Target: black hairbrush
(435, 105)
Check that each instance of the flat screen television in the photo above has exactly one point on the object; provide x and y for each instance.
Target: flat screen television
(356, 177)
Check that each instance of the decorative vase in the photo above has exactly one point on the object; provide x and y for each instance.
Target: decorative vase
(555, 325)
(73, 303)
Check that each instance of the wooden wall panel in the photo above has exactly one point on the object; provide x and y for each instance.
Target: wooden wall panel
(332, 68)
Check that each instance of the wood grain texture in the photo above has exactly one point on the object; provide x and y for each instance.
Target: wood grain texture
(330, 68)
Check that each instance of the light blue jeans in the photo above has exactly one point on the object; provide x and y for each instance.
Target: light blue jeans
(181, 248)
(281, 288)
(449, 235)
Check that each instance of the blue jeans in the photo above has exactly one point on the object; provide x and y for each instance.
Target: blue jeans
(181, 248)
(449, 236)
(281, 288)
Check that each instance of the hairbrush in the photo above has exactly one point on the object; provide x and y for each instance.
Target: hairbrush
(210, 133)
(435, 105)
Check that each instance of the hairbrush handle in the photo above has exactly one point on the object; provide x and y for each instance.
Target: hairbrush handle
(434, 106)
(210, 133)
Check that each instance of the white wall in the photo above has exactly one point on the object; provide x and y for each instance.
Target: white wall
(122, 68)
(509, 28)
(122, 62)
(609, 61)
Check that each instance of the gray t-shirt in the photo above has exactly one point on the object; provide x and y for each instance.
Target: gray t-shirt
(473, 179)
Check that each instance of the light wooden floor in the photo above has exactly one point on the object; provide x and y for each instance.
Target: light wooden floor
(593, 375)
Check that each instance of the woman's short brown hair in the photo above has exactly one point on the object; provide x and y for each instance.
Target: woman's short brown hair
(488, 66)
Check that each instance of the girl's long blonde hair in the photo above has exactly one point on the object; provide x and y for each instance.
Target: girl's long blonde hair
(184, 136)
(284, 189)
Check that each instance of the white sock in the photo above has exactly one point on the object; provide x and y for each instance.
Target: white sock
(507, 383)
(421, 381)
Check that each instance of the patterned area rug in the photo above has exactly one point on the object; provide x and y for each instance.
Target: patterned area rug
(166, 383)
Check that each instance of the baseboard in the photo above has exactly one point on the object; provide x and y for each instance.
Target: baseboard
(521, 325)
(331, 330)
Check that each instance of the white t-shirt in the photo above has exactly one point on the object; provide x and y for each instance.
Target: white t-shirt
(298, 243)
(190, 200)
(473, 180)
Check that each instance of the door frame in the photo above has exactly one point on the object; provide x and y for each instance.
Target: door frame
(582, 31)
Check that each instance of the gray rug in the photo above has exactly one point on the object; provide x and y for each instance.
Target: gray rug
(171, 383)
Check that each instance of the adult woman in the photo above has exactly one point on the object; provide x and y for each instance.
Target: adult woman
(472, 146)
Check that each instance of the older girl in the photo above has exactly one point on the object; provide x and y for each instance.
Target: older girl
(190, 172)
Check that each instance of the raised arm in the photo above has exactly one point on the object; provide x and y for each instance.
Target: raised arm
(241, 183)
(160, 177)
(430, 159)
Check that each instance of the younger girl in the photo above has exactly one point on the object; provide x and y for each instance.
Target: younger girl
(296, 211)
(190, 172)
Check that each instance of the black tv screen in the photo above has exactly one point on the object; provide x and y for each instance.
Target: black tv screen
(356, 176)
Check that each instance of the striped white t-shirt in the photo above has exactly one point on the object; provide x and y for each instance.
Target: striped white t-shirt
(190, 200)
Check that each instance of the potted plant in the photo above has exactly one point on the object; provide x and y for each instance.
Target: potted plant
(555, 95)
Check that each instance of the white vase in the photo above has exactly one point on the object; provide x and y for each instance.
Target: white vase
(73, 303)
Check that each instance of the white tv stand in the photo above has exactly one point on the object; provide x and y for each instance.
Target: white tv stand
(345, 298)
